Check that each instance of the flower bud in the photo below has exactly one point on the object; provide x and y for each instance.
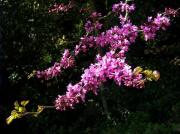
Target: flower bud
(156, 75)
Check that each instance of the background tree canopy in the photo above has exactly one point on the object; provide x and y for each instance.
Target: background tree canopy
(32, 39)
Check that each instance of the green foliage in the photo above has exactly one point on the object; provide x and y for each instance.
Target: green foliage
(18, 112)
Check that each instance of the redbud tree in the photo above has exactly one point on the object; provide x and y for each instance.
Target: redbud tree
(111, 46)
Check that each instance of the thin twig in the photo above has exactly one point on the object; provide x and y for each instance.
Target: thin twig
(105, 16)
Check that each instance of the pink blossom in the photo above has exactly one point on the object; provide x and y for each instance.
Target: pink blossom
(109, 66)
(150, 29)
(90, 27)
(171, 12)
(95, 15)
(122, 7)
(93, 23)
(66, 61)
(56, 8)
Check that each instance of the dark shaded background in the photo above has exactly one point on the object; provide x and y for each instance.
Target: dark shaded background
(30, 39)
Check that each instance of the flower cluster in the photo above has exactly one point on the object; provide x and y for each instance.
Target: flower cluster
(115, 38)
(56, 8)
(93, 24)
(122, 7)
(89, 26)
(153, 25)
(109, 66)
(171, 12)
(118, 37)
(112, 65)
(85, 43)
(66, 61)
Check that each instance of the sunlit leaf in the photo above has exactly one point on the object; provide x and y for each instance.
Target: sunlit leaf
(149, 79)
(15, 114)
(16, 105)
(40, 109)
(137, 70)
(10, 119)
(148, 73)
(24, 103)
(21, 109)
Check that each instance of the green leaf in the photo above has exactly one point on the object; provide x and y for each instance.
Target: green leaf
(149, 79)
(24, 103)
(10, 119)
(147, 73)
(40, 109)
(15, 114)
(137, 70)
(21, 109)
(16, 105)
